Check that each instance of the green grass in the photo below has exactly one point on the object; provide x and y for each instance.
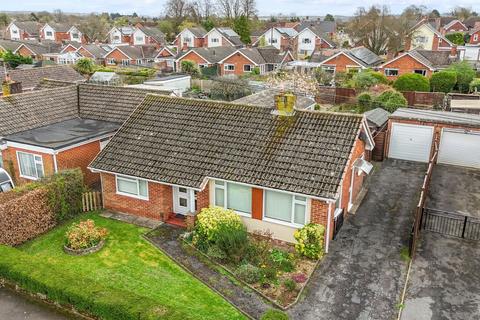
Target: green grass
(128, 272)
(405, 254)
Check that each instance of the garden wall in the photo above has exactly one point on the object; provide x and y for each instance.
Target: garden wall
(24, 216)
(425, 99)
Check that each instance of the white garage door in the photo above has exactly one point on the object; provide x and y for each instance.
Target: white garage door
(410, 142)
(460, 148)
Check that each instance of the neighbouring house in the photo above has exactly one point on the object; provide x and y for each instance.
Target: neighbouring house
(23, 30)
(120, 35)
(38, 50)
(447, 25)
(190, 38)
(377, 120)
(66, 126)
(218, 37)
(283, 39)
(351, 60)
(470, 53)
(105, 78)
(31, 78)
(472, 22)
(131, 55)
(70, 57)
(203, 57)
(144, 35)
(312, 38)
(245, 60)
(266, 98)
(165, 59)
(412, 134)
(474, 36)
(278, 170)
(96, 52)
(60, 32)
(425, 36)
(176, 83)
(9, 45)
(424, 62)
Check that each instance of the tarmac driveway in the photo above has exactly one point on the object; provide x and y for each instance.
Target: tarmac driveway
(362, 276)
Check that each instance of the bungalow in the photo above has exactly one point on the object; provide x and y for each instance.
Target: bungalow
(204, 57)
(312, 38)
(131, 55)
(36, 50)
(190, 38)
(9, 45)
(352, 60)
(147, 36)
(165, 59)
(283, 39)
(60, 32)
(44, 131)
(325, 28)
(425, 36)
(22, 30)
(120, 35)
(218, 37)
(232, 156)
(474, 36)
(245, 60)
(95, 52)
(424, 62)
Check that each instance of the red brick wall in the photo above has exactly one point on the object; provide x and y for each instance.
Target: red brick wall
(472, 38)
(358, 150)
(159, 205)
(71, 49)
(341, 62)
(456, 27)
(319, 214)
(10, 159)
(85, 53)
(203, 198)
(192, 57)
(117, 55)
(239, 61)
(405, 64)
(25, 52)
(80, 157)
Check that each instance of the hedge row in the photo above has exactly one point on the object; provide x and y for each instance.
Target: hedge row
(36, 274)
(25, 216)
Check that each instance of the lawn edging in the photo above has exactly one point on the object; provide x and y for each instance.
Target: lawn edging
(145, 237)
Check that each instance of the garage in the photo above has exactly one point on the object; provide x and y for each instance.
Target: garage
(460, 148)
(411, 142)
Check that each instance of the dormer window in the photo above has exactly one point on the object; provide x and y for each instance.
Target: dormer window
(75, 36)
(49, 33)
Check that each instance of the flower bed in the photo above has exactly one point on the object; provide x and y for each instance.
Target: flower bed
(276, 270)
(84, 238)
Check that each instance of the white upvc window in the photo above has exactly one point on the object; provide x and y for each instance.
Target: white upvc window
(423, 72)
(202, 65)
(116, 37)
(391, 72)
(139, 61)
(247, 68)
(229, 67)
(31, 165)
(125, 62)
(306, 40)
(131, 187)
(475, 37)
(14, 31)
(272, 40)
(139, 39)
(329, 69)
(111, 61)
(286, 208)
(215, 40)
(49, 33)
(75, 36)
(234, 196)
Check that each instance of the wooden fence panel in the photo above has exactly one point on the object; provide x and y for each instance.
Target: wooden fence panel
(91, 201)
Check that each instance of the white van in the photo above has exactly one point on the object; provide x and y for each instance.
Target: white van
(6, 183)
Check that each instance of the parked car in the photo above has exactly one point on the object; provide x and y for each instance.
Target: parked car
(6, 183)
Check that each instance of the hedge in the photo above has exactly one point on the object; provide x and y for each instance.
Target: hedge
(443, 81)
(412, 82)
(390, 100)
(62, 285)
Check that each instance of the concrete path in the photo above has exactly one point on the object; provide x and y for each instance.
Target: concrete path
(363, 275)
(444, 281)
(16, 307)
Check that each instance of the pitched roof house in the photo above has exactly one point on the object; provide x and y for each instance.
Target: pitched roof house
(22, 30)
(119, 35)
(218, 37)
(283, 39)
(204, 57)
(190, 38)
(60, 32)
(424, 62)
(358, 58)
(131, 55)
(425, 36)
(278, 172)
(62, 127)
(144, 35)
(312, 38)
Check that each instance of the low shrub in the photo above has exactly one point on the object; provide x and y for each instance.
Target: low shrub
(465, 75)
(457, 38)
(299, 278)
(274, 314)
(84, 235)
(268, 272)
(216, 253)
(248, 273)
(233, 240)
(390, 100)
(290, 285)
(310, 240)
(365, 100)
(282, 260)
(211, 219)
(443, 81)
(475, 85)
(412, 82)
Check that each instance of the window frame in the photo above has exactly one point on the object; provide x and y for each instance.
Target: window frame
(295, 201)
(227, 65)
(387, 70)
(224, 188)
(250, 67)
(475, 37)
(215, 40)
(125, 62)
(35, 161)
(306, 40)
(111, 61)
(137, 180)
(423, 72)
(48, 33)
(75, 35)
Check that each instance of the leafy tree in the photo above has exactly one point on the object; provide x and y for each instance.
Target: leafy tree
(475, 85)
(33, 17)
(465, 75)
(443, 81)
(208, 24)
(4, 19)
(390, 100)
(229, 88)
(120, 21)
(462, 13)
(412, 82)
(365, 100)
(365, 80)
(457, 38)
(262, 42)
(189, 67)
(434, 14)
(95, 27)
(167, 27)
(328, 17)
(242, 27)
(14, 60)
(323, 77)
(85, 66)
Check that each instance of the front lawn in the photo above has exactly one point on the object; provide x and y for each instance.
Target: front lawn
(128, 273)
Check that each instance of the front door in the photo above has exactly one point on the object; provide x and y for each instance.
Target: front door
(182, 200)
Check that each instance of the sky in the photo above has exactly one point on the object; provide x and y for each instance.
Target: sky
(265, 7)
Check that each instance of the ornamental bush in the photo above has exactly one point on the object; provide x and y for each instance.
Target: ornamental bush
(310, 240)
(443, 81)
(475, 85)
(365, 101)
(412, 82)
(465, 75)
(189, 67)
(457, 38)
(248, 273)
(365, 80)
(84, 235)
(390, 100)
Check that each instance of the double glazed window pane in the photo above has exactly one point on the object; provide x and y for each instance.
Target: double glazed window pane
(278, 205)
(239, 197)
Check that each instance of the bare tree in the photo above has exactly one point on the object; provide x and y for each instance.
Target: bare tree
(95, 27)
(249, 8)
(177, 10)
(462, 13)
(230, 9)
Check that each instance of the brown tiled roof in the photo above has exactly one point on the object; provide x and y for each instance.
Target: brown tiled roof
(32, 27)
(30, 78)
(24, 111)
(182, 141)
(51, 83)
(110, 103)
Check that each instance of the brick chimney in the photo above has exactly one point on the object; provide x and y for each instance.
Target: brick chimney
(453, 52)
(284, 104)
(11, 87)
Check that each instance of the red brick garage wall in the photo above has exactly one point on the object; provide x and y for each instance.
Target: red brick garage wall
(341, 62)
(159, 205)
(319, 214)
(358, 151)
(238, 60)
(10, 161)
(81, 157)
(405, 64)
